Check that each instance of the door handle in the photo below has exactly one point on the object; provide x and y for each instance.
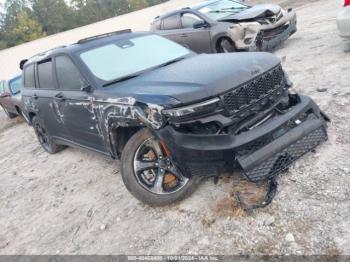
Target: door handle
(35, 96)
(60, 97)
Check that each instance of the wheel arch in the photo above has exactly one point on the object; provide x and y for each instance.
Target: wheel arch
(18, 110)
(218, 41)
(118, 136)
(31, 115)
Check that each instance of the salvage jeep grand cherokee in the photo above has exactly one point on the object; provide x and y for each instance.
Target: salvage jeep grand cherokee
(172, 116)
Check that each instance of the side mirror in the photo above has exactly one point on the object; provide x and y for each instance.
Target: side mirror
(200, 24)
(86, 89)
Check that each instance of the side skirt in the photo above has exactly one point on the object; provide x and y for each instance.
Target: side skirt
(66, 142)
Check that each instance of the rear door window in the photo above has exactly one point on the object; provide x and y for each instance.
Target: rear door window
(45, 75)
(68, 76)
(29, 80)
(171, 22)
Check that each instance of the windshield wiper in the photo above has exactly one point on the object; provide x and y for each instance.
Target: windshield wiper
(221, 11)
(171, 62)
(233, 8)
(121, 79)
(127, 77)
(228, 10)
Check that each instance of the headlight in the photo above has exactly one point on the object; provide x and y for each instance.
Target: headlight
(263, 21)
(196, 109)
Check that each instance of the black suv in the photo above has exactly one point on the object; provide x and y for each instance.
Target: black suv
(170, 115)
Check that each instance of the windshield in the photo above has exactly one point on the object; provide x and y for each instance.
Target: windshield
(132, 56)
(222, 8)
(15, 85)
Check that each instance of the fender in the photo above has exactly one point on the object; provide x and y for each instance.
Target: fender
(125, 113)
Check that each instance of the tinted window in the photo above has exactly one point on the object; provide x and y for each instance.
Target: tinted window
(68, 75)
(29, 76)
(15, 85)
(171, 22)
(45, 75)
(188, 20)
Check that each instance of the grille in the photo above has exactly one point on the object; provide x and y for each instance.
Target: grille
(255, 145)
(274, 32)
(255, 90)
(203, 170)
(282, 160)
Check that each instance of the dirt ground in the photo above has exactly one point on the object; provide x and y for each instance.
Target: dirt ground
(75, 202)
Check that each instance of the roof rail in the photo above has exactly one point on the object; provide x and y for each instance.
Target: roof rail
(186, 8)
(50, 50)
(91, 38)
(44, 53)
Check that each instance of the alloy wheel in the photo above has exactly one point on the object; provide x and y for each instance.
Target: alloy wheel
(155, 170)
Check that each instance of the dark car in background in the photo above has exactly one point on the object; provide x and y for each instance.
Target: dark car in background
(170, 115)
(218, 26)
(10, 96)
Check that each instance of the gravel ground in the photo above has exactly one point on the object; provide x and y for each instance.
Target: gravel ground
(75, 202)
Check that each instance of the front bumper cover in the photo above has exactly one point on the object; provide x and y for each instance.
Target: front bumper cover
(260, 153)
(269, 39)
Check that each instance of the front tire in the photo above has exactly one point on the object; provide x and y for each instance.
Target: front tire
(44, 137)
(149, 173)
(225, 45)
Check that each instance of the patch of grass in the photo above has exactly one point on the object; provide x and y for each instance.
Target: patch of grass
(249, 193)
(243, 195)
(229, 207)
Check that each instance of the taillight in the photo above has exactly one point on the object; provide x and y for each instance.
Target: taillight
(346, 2)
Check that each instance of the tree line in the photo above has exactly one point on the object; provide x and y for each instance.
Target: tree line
(26, 20)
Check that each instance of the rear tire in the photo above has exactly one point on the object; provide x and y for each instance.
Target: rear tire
(225, 45)
(8, 114)
(153, 190)
(44, 137)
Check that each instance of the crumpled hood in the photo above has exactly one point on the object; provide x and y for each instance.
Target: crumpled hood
(194, 79)
(256, 11)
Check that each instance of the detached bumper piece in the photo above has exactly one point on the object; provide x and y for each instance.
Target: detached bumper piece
(261, 152)
(270, 39)
(277, 156)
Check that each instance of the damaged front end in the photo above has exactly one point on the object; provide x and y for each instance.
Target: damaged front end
(263, 33)
(258, 128)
